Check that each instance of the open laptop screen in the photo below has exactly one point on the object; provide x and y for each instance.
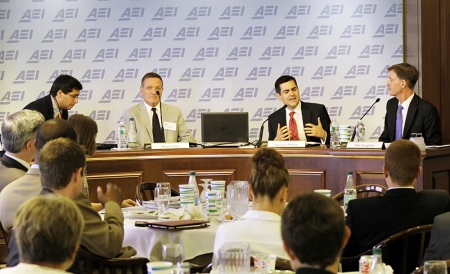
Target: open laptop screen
(224, 127)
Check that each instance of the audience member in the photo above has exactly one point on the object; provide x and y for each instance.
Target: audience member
(260, 227)
(28, 186)
(87, 130)
(63, 96)
(309, 121)
(439, 246)
(373, 219)
(413, 114)
(148, 113)
(18, 138)
(314, 233)
(48, 231)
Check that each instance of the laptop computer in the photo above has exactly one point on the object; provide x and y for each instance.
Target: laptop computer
(224, 129)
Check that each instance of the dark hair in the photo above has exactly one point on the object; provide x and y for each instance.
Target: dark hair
(58, 160)
(313, 227)
(66, 84)
(402, 161)
(406, 72)
(53, 129)
(283, 79)
(151, 75)
(86, 130)
(269, 174)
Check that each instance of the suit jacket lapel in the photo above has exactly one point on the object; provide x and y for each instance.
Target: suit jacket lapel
(145, 118)
(165, 117)
(410, 115)
(306, 116)
(391, 120)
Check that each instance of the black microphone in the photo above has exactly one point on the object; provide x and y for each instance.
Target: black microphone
(354, 129)
(160, 108)
(261, 130)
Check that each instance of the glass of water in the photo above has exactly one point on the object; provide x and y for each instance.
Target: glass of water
(162, 199)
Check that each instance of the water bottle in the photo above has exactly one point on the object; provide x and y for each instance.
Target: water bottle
(132, 133)
(193, 181)
(122, 136)
(360, 131)
(334, 132)
(377, 262)
(349, 189)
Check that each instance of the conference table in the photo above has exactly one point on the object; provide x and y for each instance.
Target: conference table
(148, 241)
(309, 168)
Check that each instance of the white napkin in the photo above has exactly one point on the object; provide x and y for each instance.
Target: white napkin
(189, 212)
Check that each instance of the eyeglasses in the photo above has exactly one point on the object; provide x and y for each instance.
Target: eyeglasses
(75, 97)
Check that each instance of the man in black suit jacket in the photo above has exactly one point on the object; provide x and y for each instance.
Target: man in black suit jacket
(63, 96)
(313, 122)
(18, 137)
(373, 219)
(419, 116)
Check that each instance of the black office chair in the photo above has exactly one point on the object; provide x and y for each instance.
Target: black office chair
(145, 188)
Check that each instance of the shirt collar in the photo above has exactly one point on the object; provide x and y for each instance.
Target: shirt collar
(261, 215)
(149, 108)
(55, 107)
(22, 162)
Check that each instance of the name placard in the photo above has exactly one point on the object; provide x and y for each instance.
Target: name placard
(170, 145)
(365, 145)
(286, 143)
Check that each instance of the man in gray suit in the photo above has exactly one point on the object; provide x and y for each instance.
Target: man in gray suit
(439, 246)
(147, 115)
(18, 138)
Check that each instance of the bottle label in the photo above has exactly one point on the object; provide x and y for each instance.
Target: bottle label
(348, 198)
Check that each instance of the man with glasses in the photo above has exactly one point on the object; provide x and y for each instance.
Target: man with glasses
(63, 96)
(150, 126)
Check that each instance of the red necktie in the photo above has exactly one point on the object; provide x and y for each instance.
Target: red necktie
(293, 126)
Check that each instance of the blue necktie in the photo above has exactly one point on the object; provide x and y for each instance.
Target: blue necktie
(399, 123)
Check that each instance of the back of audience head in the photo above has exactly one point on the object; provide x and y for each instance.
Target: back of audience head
(53, 129)
(48, 230)
(19, 129)
(59, 161)
(313, 230)
(269, 173)
(86, 130)
(402, 162)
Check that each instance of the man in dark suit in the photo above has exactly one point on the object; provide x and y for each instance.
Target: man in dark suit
(407, 113)
(63, 96)
(373, 219)
(309, 122)
(439, 246)
(314, 233)
(18, 137)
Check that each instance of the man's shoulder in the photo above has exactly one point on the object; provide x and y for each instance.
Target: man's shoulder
(38, 102)
(312, 105)
(170, 107)
(434, 194)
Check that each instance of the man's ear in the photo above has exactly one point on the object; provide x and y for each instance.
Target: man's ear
(30, 145)
(77, 174)
(385, 172)
(418, 172)
(289, 251)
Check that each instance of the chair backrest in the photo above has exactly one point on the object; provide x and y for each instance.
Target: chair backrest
(403, 251)
(92, 263)
(364, 191)
(145, 191)
(419, 270)
(6, 234)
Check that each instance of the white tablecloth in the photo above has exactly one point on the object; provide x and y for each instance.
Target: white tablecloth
(148, 241)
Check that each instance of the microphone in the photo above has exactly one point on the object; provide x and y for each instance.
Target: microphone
(261, 130)
(354, 129)
(162, 125)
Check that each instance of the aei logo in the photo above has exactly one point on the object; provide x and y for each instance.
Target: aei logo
(17, 35)
(56, 73)
(205, 53)
(338, 50)
(4, 14)
(131, 73)
(286, 31)
(187, 32)
(179, 93)
(270, 52)
(351, 30)
(376, 91)
(139, 53)
(254, 31)
(259, 72)
(197, 12)
(334, 111)
(384, 29)
(104, 54)
(26, 75)
(226, 72)
(356, 70)
(394, 10)
(85, 95)
(233, 110)
(320, 31)
(305, 51)
(245, 93)
(88, 34)
(190, 73)
(312, 92)
(120, 33)
(360, 110)
(73, 54)
(100, 115)
(342, 91)
(163, 72)
(39, 55)
(172, 53)
(196, 113)
(165, 12)
(323, 71)
(93, 74)
(220, 32)
(32, 14)
(154, 33)
(239, 52)
(112, 94)
(294, 71)
(232, 11)
(64, 14)
(370, 50)
(4, 115)
(265, 11)
(384, 73)
(329, 10)
(133, 12)
(271, 96)
(12, 96)
(97, 13)
(366, 9)
(298, 11)
(212, 93)
(398, 52)
(262, 113)
(8, 55)
(54, 34)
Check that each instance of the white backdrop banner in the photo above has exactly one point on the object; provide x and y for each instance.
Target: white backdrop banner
(212, 55)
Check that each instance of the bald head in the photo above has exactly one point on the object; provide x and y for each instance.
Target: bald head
(53, 129)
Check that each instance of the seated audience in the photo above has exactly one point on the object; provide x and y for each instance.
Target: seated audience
(87, 130)
(373, 219)
(61, 165)
(260, 227)
(29, 185)
(18, 138)
(48, 231)
(439, 246)
(314, 233)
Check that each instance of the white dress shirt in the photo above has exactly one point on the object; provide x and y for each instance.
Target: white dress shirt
(299, 121)
(260, 229)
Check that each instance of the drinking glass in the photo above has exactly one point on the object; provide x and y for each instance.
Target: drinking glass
(205, 189)
(435, 267)
(172, 253)
(163, 184)
(233, 257)
(162, 199)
